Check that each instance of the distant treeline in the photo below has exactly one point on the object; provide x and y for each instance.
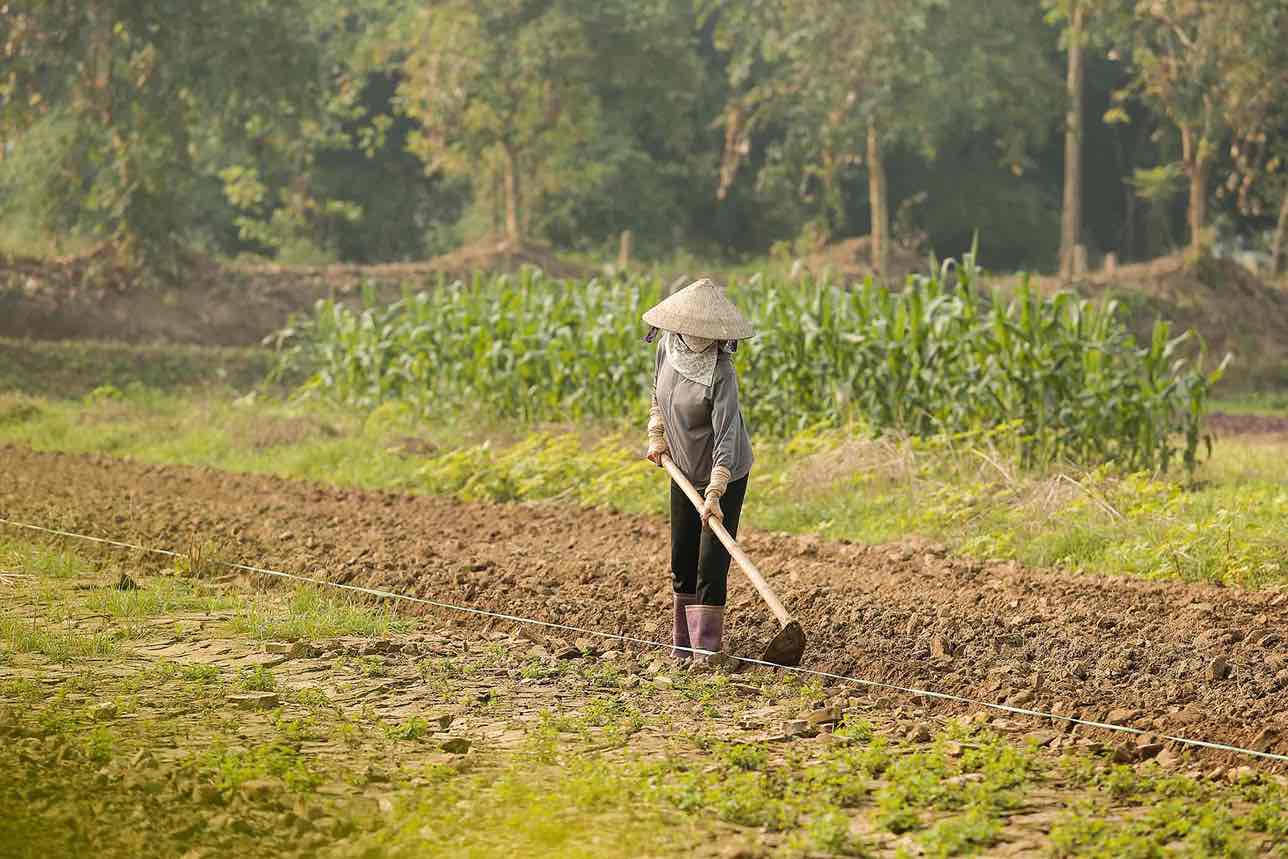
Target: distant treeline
(377, 130)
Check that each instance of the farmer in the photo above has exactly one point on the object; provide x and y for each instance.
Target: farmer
(694, 418)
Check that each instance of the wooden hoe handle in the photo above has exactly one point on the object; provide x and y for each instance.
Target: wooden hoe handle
(735, 551)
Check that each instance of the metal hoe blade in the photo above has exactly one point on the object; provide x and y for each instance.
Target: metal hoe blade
(788, 646)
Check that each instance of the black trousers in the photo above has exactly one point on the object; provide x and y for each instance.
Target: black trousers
(699, 563)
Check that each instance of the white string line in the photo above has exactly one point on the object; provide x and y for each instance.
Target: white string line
(925, 693)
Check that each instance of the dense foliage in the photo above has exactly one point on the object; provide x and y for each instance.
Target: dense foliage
(122, 115)
(373, 130)
(1060, 376)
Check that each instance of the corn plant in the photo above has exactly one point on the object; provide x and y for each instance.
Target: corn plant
(941, 356)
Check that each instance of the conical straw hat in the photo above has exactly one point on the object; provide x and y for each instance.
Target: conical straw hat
(700, 310)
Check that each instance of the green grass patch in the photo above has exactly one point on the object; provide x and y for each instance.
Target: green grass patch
(1263, 403)
(581, 809)
(61, 644)
(961, 835)
(257, 679)
(21, 557)
(230, 768)
(159, 596)
(308, 613)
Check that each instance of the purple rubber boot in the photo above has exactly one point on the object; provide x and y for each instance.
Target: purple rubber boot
(706, 628)
(680, 626)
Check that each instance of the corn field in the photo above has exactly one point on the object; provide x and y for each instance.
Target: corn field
(1060, 376)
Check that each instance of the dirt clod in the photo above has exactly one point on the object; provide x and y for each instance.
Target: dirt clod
(795, 728)
(204, 793)
(255, 700)
(262, 790)
(940, 647)
(1126, 753)
(1264, 740)
(1121, 716)
(456, 746)
(824, 716)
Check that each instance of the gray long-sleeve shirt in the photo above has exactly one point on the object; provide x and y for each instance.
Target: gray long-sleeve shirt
(704, 425)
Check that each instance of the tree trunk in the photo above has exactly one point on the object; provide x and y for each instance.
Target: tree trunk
(1131, 207)
(1198, 205)
(878, 200)
(1277, 246)
(510, 179)
(1071, 218)
(498, 195)
(833, 202)
(1197, 166)
(97, 81)
(734, 149)
(624, 249)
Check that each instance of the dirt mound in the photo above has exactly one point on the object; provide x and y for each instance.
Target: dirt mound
(488, 255)
(1230, 307)
(1198, 661)
(493, 255)
(82, 299)
(90, 297)
(851, 260)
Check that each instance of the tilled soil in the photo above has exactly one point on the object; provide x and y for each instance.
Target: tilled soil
(1198, 661)
(1223, 424)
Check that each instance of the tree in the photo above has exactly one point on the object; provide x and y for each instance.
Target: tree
(1204, 65)
(635, 168)
(142, 95)
(851, 80)
(1259, 181)
(542, 103)
(1071, 220)
(1074, 12)
(500, 87)
(1259, 150)
(838, 71)
(1083, 26)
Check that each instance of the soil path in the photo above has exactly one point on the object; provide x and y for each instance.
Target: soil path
(1203, 662)
(1223, 424)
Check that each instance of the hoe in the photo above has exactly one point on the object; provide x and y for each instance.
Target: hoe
(789, 644)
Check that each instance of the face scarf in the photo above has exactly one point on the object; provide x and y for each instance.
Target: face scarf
(694, 358)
